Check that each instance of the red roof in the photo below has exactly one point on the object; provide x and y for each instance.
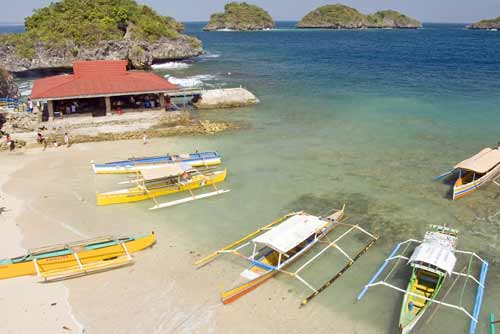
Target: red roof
(99, 78)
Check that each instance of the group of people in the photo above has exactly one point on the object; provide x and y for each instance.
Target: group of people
(40, 139)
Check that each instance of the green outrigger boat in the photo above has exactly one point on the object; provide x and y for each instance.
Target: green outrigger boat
(432, 262)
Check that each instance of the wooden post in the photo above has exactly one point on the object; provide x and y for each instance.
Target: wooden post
(107, 100)
(50, 106)
(162, 101)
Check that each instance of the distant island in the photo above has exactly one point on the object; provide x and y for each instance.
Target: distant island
(339, 16)
(240, 17)
(488, 24)
(71, 30)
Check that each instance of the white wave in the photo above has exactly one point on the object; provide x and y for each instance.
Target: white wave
(209, 55)
(172, 65)
(225, 29)
(190, 82)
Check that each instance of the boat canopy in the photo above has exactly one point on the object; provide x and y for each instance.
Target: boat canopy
(169, 170)
(436, 250)
(481, 162)
(290, 233)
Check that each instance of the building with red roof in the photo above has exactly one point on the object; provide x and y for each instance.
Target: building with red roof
(98, 87)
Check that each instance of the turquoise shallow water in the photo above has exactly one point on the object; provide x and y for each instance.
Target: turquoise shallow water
(365, 118)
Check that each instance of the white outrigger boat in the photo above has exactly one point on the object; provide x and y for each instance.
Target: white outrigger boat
(277, 245)
(475, 172)
(134, 165)
(432, 262)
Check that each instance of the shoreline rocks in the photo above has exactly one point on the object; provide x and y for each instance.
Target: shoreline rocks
(225, 98)
(339, 16)
(8, 87)
(240, 17)
(487, 24)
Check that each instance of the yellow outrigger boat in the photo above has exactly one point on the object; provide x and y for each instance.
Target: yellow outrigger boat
(166, 180)
(77, 258)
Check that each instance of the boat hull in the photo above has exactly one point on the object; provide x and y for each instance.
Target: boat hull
(64, 258)
(265, 268)
(202, 159)
(410, 315)
(461, 190)
(137, 194)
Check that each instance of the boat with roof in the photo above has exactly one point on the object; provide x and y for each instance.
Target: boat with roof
(133, 165)
(277, 245)
(432, 262)
(76, 258)
(165, 180)
(474, 172)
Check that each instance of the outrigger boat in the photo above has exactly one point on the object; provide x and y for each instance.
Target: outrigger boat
(432, 262)
(279, 244)
(133, 165)
(76, 258)
(166, 180)
(475, 172)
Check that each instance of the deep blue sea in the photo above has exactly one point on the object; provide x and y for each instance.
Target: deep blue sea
(362, 117)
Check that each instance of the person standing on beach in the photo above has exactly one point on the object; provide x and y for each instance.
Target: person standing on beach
(12, 146)
(66, 139)
(145, 138)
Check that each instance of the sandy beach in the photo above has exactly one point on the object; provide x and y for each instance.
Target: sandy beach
(49, 198)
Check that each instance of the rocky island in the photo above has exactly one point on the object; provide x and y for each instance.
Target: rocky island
(339, 16)
(240, 17)
(489, 24)
(71, 30)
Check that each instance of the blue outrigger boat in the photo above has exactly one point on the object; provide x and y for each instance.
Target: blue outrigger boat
(132, 165)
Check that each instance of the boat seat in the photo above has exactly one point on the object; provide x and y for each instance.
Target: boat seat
(418, 304)
(424, 288)
(85, 269)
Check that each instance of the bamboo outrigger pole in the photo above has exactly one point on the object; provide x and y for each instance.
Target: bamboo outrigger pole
(212, 256)
(337, 275)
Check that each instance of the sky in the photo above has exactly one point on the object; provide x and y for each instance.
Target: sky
(459, 11)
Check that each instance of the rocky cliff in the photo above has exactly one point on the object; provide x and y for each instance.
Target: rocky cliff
(8, 87)
(486, 24)
(339, 16)
(71, 30)
(241, 17)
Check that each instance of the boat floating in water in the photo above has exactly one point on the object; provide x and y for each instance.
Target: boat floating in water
(133, 165)
(475, 172)
(432, 262)
(277, 245)
(77, 258)
(166, 180)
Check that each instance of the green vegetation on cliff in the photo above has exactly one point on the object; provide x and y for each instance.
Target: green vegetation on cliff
(339, 16)
(486, 24)
(240, 16)
(391, 18)
(87, 22)
(334, 16)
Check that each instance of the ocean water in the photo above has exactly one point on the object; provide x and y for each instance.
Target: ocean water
(366, 118)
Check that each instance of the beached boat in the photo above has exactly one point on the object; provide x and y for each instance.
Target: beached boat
(76, 258)
(166, 180)
(279, 244)
(133, 165)
(432, 262)
(474, 172)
